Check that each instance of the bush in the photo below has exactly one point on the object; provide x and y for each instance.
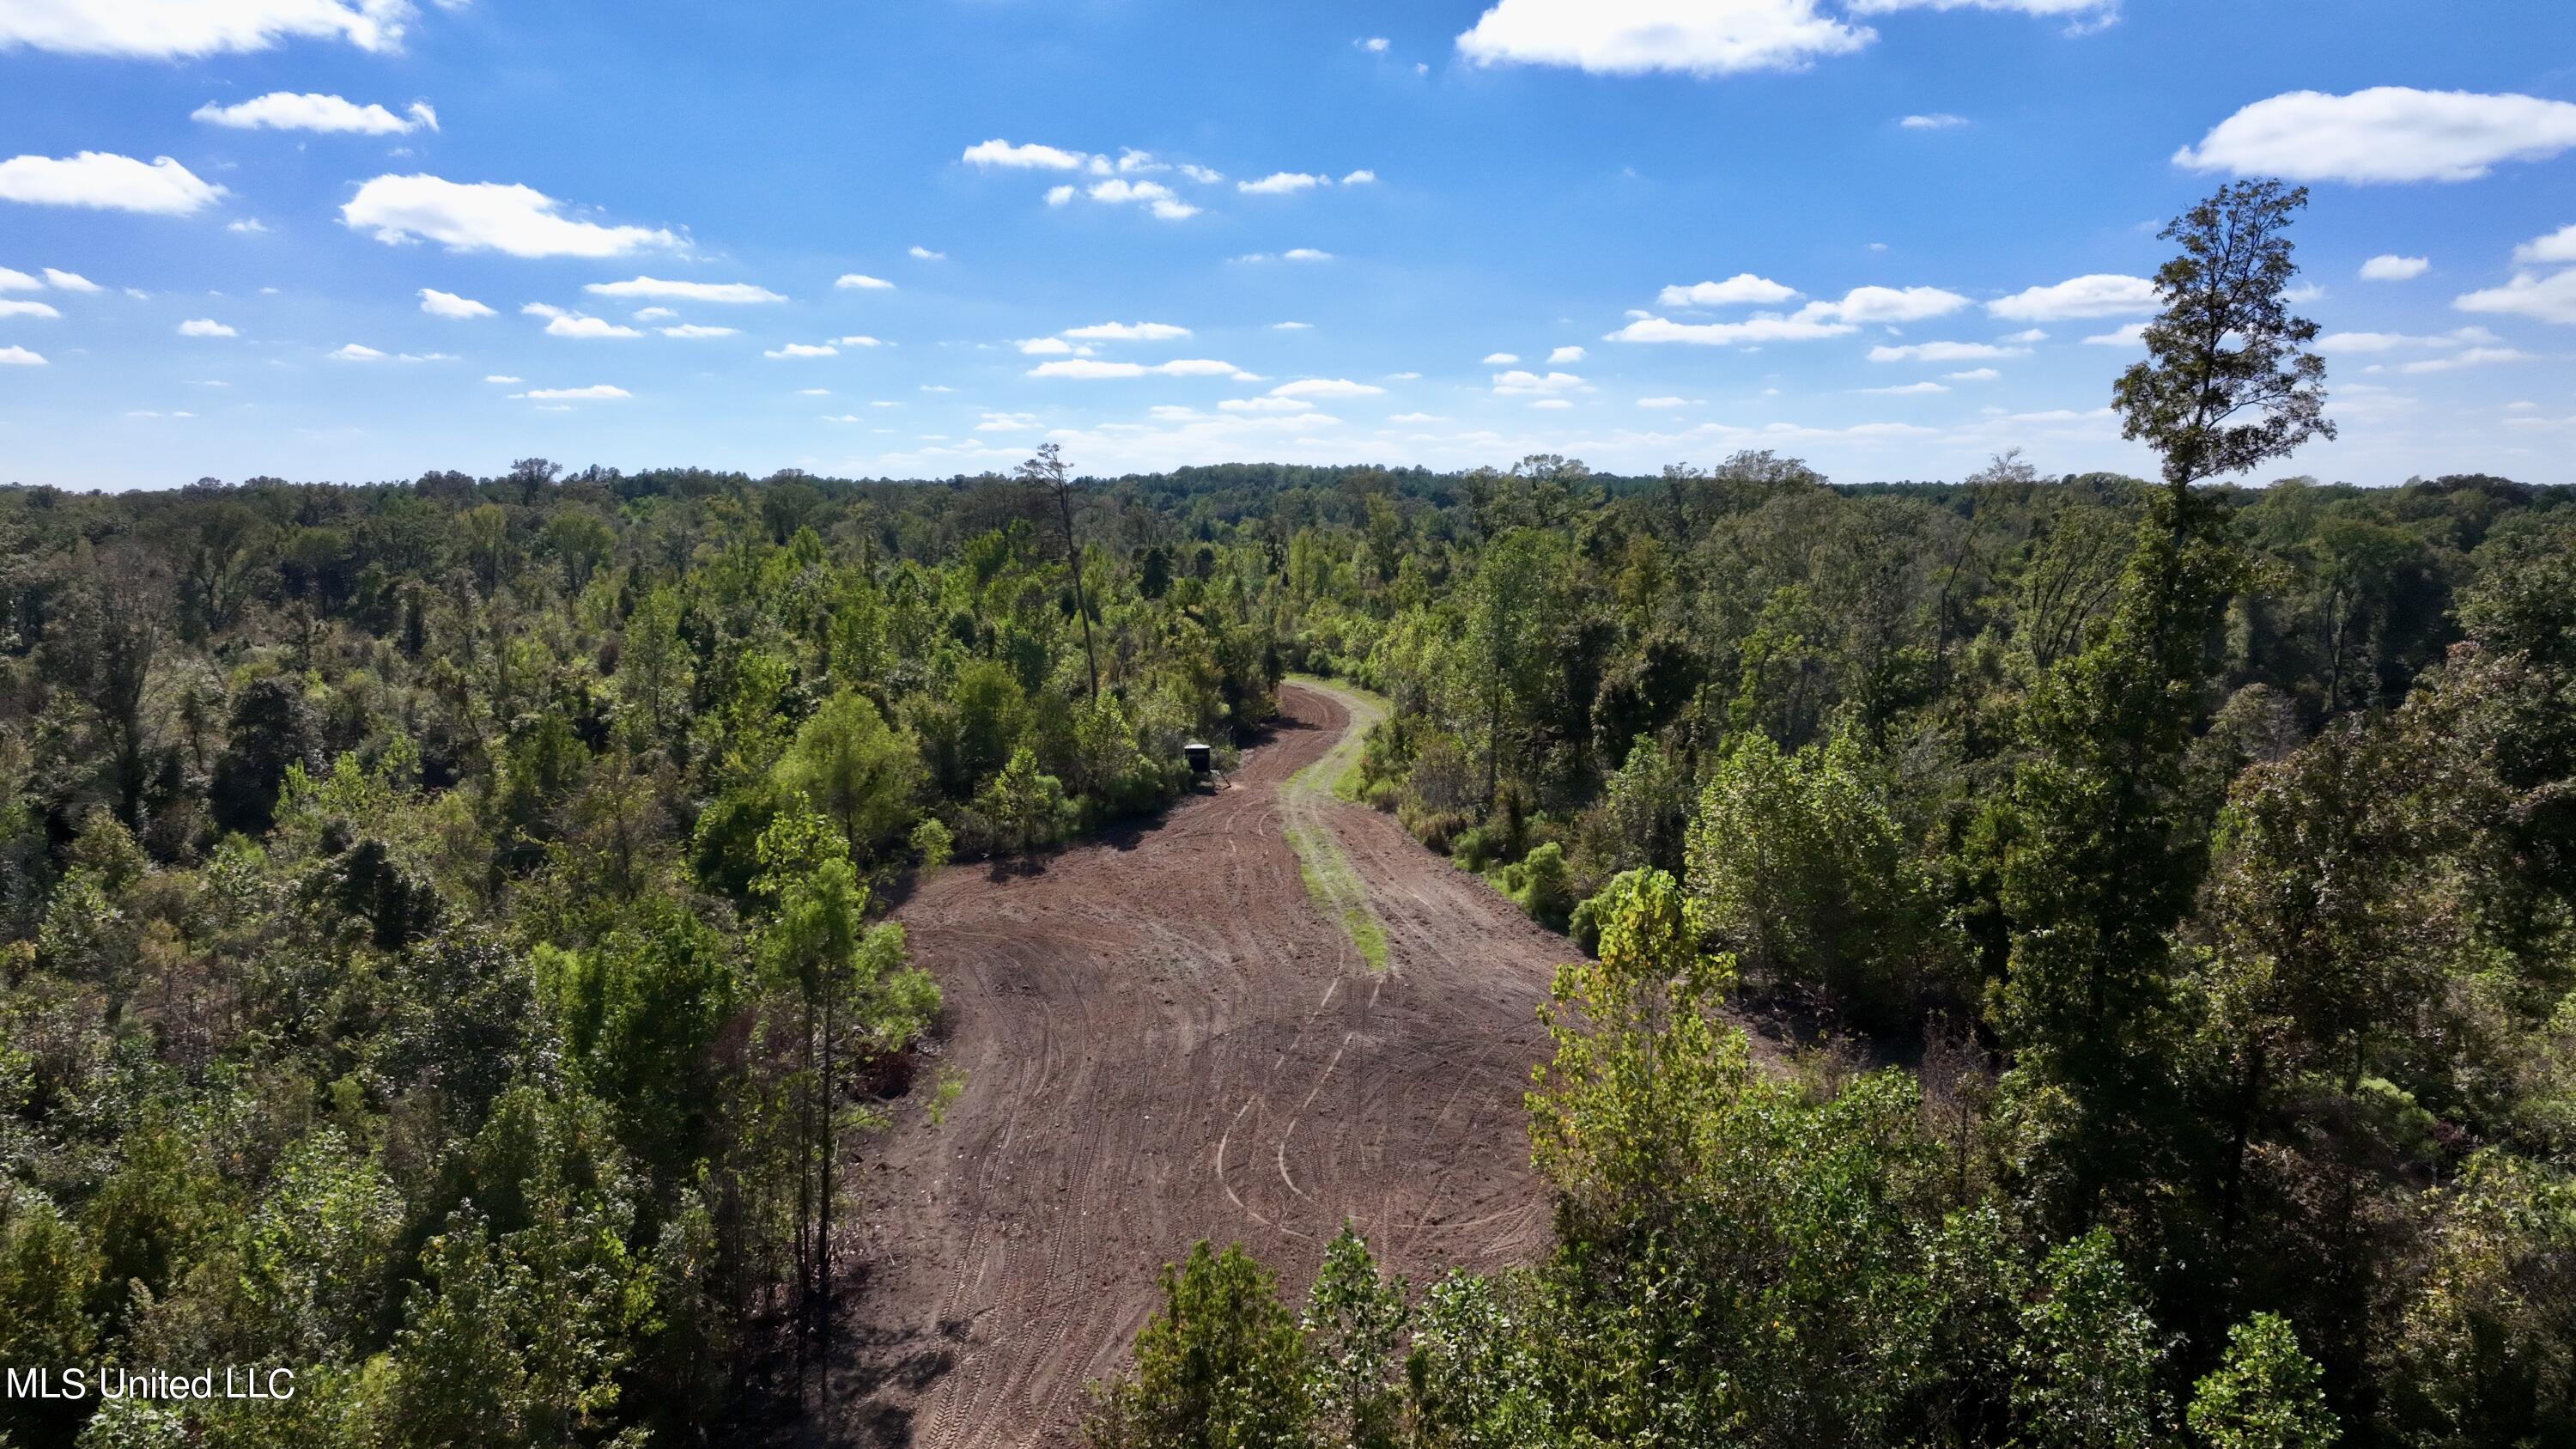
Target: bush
(1547, 888)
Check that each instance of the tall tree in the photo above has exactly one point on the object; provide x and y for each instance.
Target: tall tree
(1047, 469)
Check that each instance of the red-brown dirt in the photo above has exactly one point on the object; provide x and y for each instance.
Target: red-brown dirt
(1163, 1040)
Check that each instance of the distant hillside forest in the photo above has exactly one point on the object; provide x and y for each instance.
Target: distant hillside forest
(443, 941)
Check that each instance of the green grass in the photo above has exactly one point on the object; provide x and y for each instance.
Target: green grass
(1332, 882)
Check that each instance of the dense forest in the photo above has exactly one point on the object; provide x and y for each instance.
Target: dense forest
(443, 940)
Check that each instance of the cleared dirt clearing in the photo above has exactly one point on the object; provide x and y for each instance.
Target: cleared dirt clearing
(1165, 1039)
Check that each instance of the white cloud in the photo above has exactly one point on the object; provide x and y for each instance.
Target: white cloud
(2558, 246)
(653, 314)
(1205, 176)
(9, 308)
(69, 281)
(562, 323)
(356, 352)
(205, 327)
(2133, 335)
(1025, 158)
(693, 331)
(1049, 347)
(1910, 389)
(2100, 294)
(1936, 121)
(1271, 404)
(1891, 304)
(858, 340)
(502, 378)
(2027, 336)
(925, 254)
(1974, 374)
(1567, 353)
(486, 216)
(804, 349)
(2337, 344)
(1292, 326)
(2383, 134)
(1519, 383)
(1375, 44)
(1153, 195)
(1128, 332)
(2072, 8)
(596, 392)
(1552, 402)
(1943, 352)
(1417, 418)
(2473, 357)
(20, 357)
(2394, 268)
(1630, 37)
(1668, 402)
(447, 304)
(1762, 328)
(862, 282)
(1326, 387)
(726, 292)
(247, 226)
(1501, 359)
(1059, 195)
(1282, 183)
(2550, 299)
(167, 28)
(1305, 254)
(290, 111)
(1361, 177)
(1090, 369)
(12, 280)
(1743, 287)
(106, 182)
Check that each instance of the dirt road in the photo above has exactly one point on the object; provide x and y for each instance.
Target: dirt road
(1165, 1039)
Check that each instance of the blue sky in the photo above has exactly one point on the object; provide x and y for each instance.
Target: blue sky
(1095, 220)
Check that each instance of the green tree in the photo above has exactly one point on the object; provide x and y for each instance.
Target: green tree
(1221, 1365)
(2263, 1395)
(860, 772)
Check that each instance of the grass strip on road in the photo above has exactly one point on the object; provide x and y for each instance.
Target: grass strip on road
(1331, 880)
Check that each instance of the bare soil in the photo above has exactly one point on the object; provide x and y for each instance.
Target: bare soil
(1164, 1039)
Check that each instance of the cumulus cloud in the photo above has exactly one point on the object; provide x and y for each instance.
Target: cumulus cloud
(2472, 357)
(596, 392)
(1374, 44)
(1153, 195)
(2072, 9)
(70, 281)
(862, 282)
(693, 330)
(2100, 294)
(2339, 344)
(1742, 288)
(1361, 177)
(1128, 332)
(804, 349)
(447, 304)
(161, 29)
(2383, 134)
(1305, 254)
(486, 216)
(1283, 183)
(1326, 387)
(356, 352)
(2550, 299)
(1630, 37)
(1024, 158)
(1517, 383)
(724, 292)
(1891, 304)
(2394, 268)
(12, 280)
(1091, 369)
(2558, 246)
(205, 327)
(1910, 389)
(2133, 335)
(562, 323)
(1944, 352)
(1049, 347)
(1567, 353)
(247, 226)
(1936, 121)
(925, 254)
(1292, 326)
(20, 357)
(858, 341)
(12, 308)
(106, 182)
(1974, 374)
(308, 111)
(1764, 328)
(1501, 359)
